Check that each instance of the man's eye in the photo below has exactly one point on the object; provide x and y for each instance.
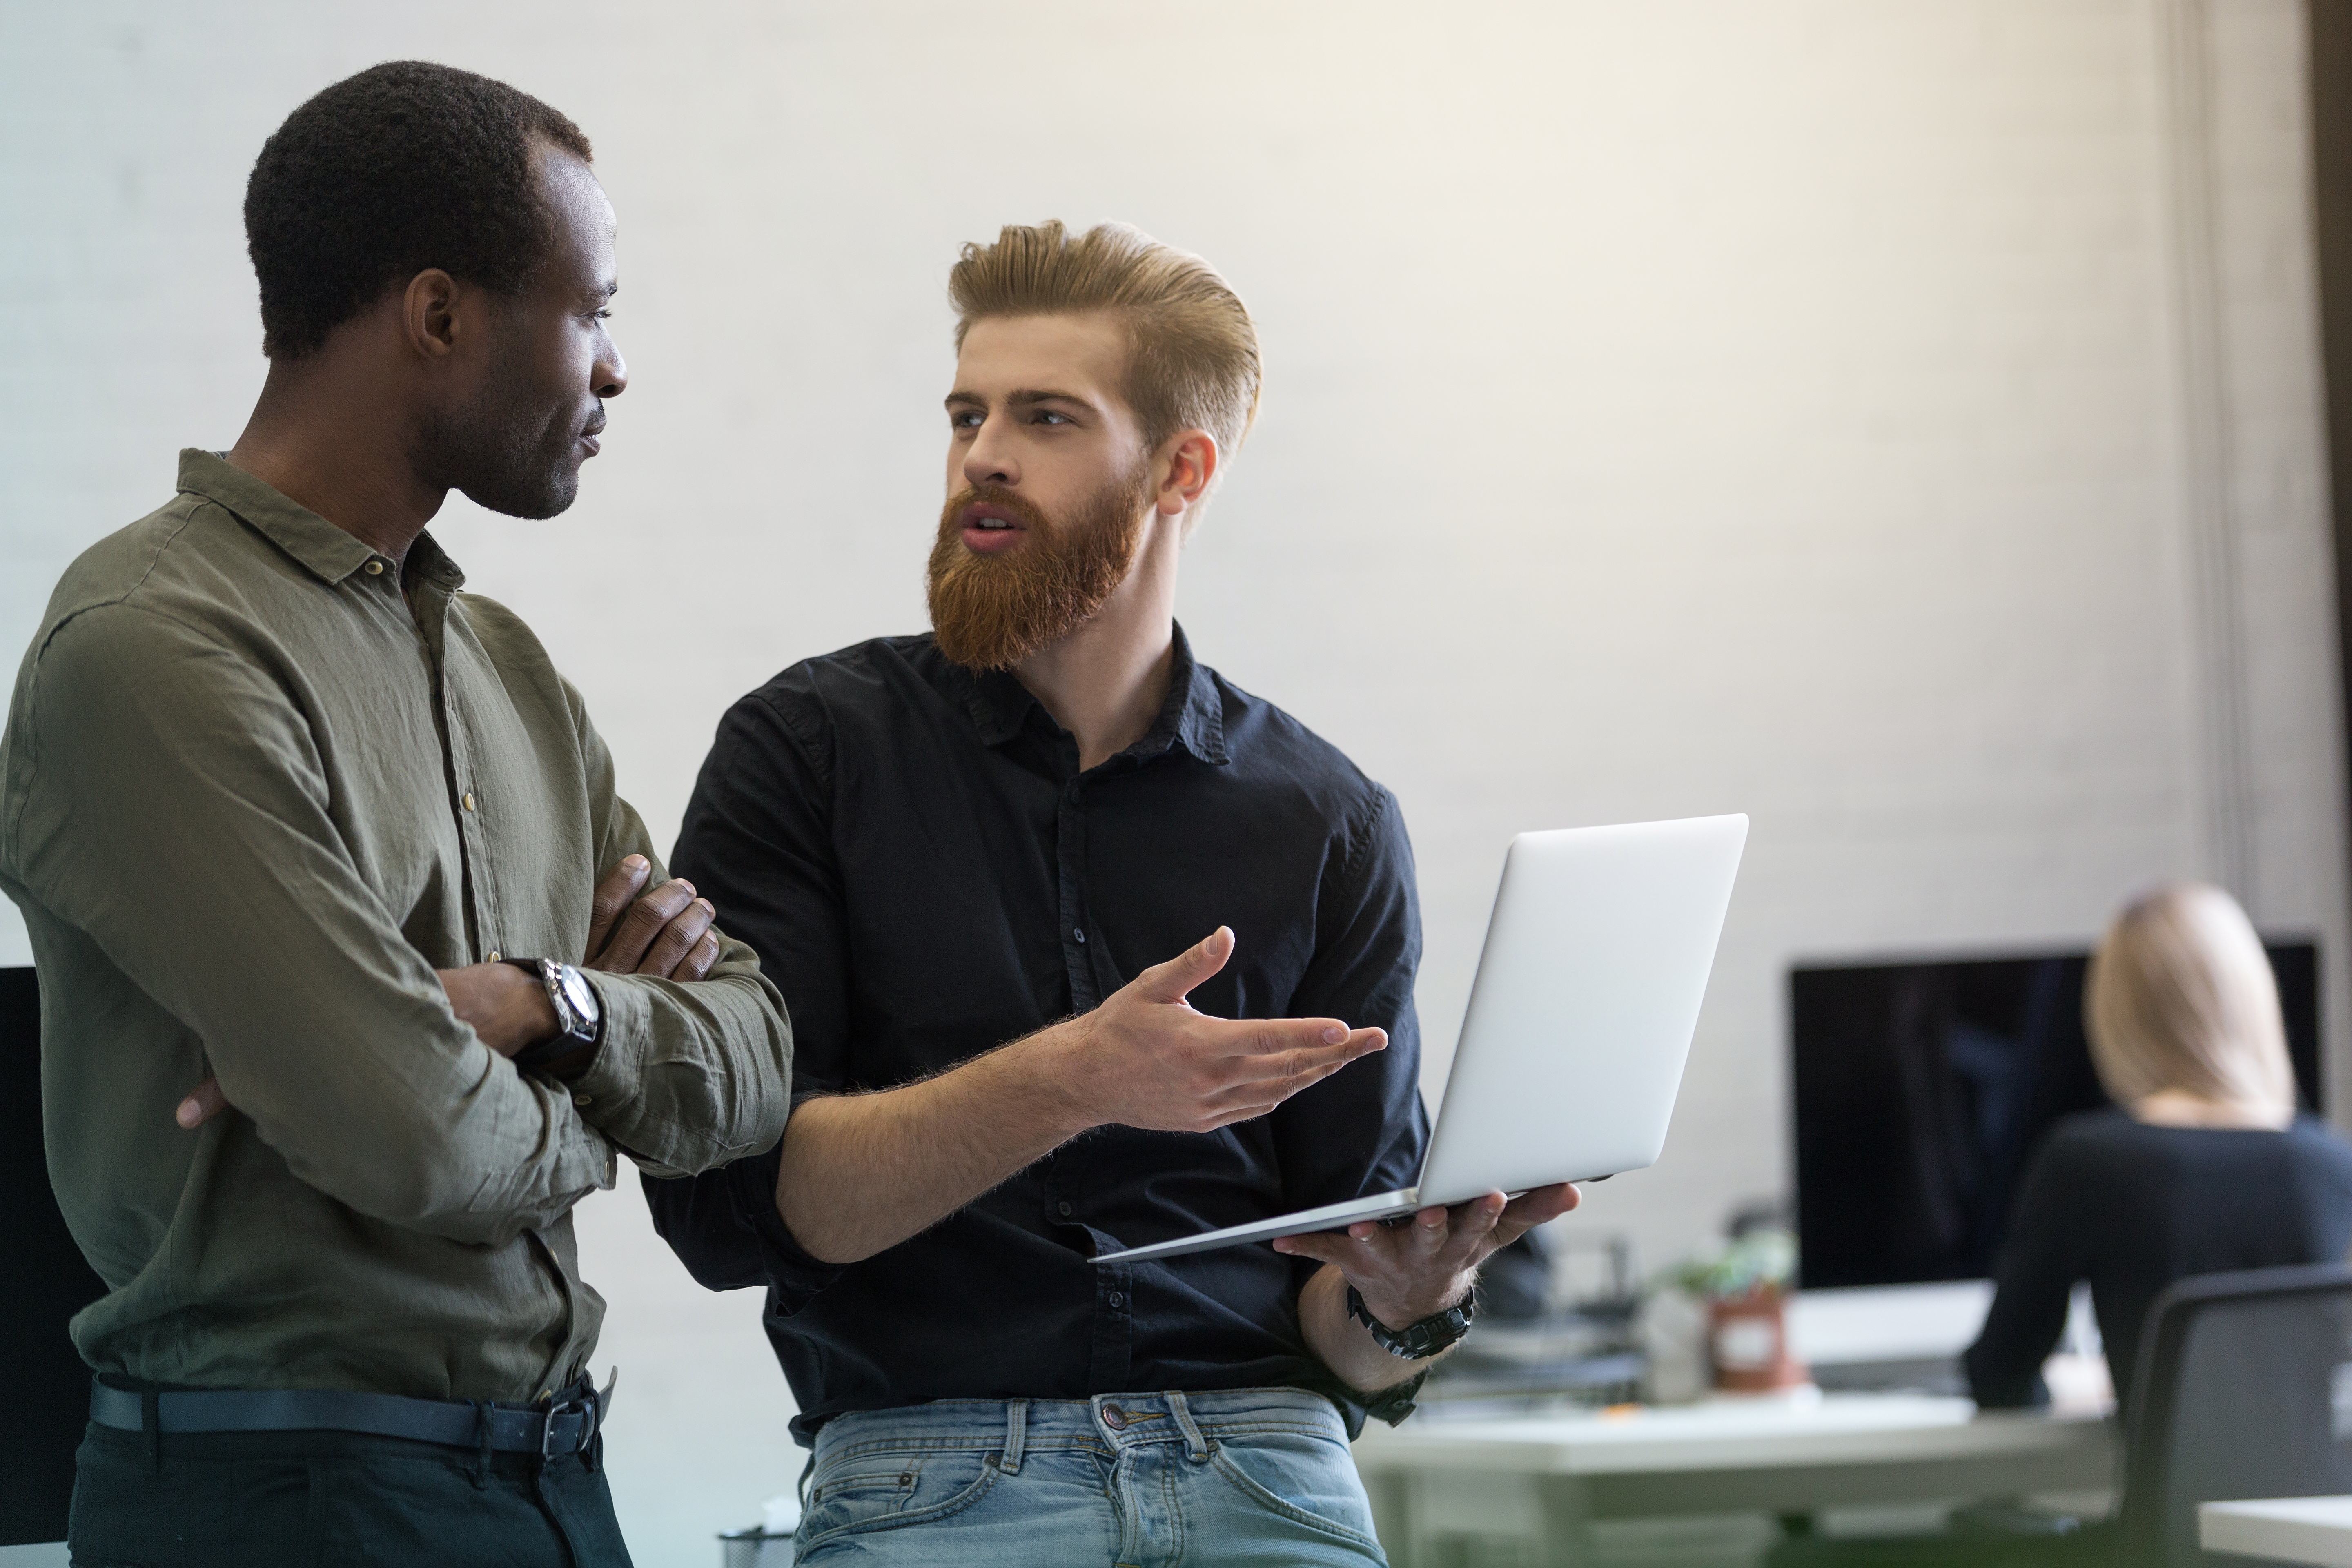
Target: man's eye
(1046, 415)
(967, 420)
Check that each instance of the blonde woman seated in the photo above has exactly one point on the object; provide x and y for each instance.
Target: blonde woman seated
(2201, 1165)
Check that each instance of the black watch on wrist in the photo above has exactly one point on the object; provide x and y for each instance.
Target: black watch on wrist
(1417, 1341)
(579, 1015)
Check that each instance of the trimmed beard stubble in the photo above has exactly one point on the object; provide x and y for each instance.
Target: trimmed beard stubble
(990, 612)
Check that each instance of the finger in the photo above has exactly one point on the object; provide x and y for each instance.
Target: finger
(700, 962)
(1274, 1079)
(202, 1105)
(1538, 1205)
(1324, 1247)
(1271, 1052)
(612, 895)
(1432, 1230)
(677, 938)
(1470, 1231)
(635, 931)
(1174, 980)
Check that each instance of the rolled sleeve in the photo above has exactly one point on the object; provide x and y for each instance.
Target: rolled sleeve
(689, 1075)
(762, 802)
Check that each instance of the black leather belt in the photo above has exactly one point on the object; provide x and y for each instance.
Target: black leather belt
(565, 1426)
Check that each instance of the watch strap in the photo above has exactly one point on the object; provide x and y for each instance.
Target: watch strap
(1417, 1341)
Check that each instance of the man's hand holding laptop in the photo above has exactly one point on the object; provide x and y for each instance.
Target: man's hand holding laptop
(1425, 1264)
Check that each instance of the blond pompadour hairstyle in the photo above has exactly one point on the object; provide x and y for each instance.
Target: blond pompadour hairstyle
(1193, 359)
(2181, 997)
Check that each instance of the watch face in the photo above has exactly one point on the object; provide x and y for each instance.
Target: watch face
(579, 993)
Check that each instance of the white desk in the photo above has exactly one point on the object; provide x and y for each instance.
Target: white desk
(1545, 1477)
(2286, 1529)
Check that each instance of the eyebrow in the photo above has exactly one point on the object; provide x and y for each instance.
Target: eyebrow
(1022, 395)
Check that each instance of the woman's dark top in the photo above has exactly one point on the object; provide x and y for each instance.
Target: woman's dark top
(2131, 1208)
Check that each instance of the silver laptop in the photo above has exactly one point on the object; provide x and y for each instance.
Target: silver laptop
(1572, 1048)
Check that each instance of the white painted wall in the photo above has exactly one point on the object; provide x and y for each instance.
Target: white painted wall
(1674, 408)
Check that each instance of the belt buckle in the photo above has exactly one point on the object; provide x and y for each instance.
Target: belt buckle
(585, 1408)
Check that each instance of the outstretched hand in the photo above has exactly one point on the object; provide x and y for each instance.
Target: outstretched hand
(1147, 1059)
(1417, 1270)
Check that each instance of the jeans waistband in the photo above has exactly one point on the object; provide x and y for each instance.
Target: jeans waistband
(1012, 1427)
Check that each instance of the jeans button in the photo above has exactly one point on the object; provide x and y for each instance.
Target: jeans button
(1114, 1417)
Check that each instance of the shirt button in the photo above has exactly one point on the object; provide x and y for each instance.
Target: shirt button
(583, 1099)
(494, 957)
(1063, 1209)
(1117, 1300)
(1081, 935)
(375, 568)
(470, 800)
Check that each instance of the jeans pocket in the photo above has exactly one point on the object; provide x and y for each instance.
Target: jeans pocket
(1307, 1478)
(864, 1492)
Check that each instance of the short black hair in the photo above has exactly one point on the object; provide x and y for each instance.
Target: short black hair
(405, 166)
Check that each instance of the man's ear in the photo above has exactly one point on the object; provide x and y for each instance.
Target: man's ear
(428, 314)
(1191, 463)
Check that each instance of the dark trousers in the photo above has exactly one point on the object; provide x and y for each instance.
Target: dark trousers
(217, 1500)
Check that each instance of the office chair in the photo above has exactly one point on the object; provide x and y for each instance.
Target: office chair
(2245, 1391)
(47, 1387)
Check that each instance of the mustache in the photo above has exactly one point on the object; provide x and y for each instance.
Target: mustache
(1020, 506)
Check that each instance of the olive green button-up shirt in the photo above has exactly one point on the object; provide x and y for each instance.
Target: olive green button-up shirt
(253, 791)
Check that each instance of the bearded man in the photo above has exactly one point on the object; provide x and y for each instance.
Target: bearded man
(282, 804)
(942, 844)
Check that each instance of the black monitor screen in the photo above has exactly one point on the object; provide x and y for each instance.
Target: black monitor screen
(1921, 1089)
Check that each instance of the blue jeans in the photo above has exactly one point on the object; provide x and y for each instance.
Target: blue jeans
(1241, 1476)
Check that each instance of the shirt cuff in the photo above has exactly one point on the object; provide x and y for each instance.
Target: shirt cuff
(796, 1276)
(615, 1076)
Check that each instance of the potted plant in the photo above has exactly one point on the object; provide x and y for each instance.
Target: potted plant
(1745, 1286)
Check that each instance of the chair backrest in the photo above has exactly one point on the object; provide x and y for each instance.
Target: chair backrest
(47, 1388)
(2243, 1390)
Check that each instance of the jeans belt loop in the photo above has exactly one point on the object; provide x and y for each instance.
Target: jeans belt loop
(1016, 1435)
(1196, 1446)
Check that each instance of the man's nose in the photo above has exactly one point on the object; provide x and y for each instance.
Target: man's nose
(988, 459)
(611, 376)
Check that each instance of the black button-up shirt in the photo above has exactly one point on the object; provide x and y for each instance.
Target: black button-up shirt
(926, 874)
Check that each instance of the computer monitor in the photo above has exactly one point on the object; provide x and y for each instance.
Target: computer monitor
(1922, 1088)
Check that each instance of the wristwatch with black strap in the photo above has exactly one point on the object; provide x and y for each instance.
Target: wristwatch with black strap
(579, 1016)
(1417, 1341)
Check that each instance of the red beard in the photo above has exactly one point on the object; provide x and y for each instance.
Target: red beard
(990, 612)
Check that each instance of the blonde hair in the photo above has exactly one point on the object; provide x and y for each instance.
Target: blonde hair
(1193, 358)
(2180, 996)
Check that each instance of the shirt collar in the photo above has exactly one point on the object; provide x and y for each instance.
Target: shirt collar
(1194, 716)
(329, 551)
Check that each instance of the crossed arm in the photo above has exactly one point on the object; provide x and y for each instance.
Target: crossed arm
(665, 932)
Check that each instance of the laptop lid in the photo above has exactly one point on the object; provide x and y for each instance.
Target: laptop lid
(1580, 1019)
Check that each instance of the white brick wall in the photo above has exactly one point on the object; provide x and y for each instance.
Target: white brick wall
(1674, 408)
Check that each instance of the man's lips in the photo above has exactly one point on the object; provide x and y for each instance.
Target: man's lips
(988, 529)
